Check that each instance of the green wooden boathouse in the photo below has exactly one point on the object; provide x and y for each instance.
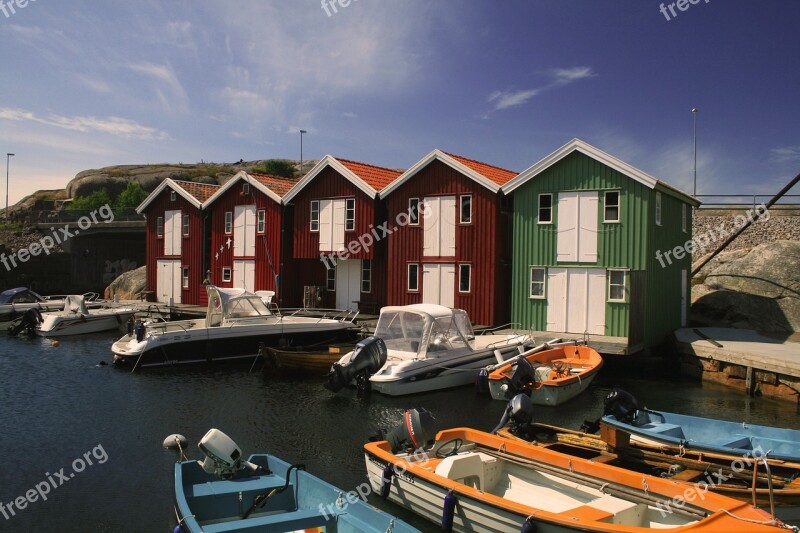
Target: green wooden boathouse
(600, 248)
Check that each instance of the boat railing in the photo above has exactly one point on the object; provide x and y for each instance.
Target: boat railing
(763, 460)
(342, 315)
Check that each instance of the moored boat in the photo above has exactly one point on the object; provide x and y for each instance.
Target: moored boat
(550, 376)
(423, 347)
(76, 319)
(224, 493)
(304, 359)
(474, 481)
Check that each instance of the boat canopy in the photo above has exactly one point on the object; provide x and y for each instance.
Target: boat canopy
(424, 330)
(20, 295)
(224, 304)
(74, 304)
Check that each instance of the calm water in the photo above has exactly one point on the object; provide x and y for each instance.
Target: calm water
(58, 404)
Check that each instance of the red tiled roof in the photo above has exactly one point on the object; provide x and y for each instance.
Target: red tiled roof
(498, 175)
(375, 177)
(199, 191)
(276, 184)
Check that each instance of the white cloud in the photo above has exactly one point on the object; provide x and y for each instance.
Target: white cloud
(559, 77)
(165, 78)
(117, 126)
(563, 76)
(504, 100)
(785, 154)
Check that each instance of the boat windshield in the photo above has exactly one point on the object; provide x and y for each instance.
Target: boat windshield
(445, 335)
(402, 331)
(246, 306)
(19, 296)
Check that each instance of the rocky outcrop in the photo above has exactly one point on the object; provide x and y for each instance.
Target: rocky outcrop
(757, 288)
(127, 286)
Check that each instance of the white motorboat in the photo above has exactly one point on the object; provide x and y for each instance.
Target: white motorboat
(420, 348)
(76, 319)
(235, 323)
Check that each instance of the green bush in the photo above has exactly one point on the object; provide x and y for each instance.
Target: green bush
(133, 195)
(277, 167)
(87, 203)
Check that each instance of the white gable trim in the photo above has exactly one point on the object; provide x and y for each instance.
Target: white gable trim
(329, 161)
(587, 149)
(447, 160)
(242, 176)
(175, 187)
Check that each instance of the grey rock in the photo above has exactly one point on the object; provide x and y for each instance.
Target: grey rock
(128, 286)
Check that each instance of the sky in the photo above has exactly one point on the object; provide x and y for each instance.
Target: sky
(87, 83)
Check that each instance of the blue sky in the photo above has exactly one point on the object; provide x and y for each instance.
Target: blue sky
(86, 84)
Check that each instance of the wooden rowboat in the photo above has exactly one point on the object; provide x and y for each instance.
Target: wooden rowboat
(309, 359)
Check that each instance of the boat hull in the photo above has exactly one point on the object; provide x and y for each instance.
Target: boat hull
(303, 361)
(56, 326)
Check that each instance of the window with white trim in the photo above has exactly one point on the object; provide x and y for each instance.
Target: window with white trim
(330, 279)
(537, 282)
(172, 196)
(262, 220)
(413, 277)
(465, 209)
(464, 278)
(545, 208)
(160, 227)
(226, 273)
(245, 188)
(611, 206)
(228, 222)
(314, 224)
(616, 285)
(350, 214)
(185, 277)
(366, 275)
(186, 224)
(413, 211)
(658, 208)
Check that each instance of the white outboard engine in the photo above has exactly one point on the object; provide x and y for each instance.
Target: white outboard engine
(367, 358)
(223, 456)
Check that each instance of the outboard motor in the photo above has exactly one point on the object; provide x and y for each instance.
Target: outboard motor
(518, 414)
(27, 323)
(367, 358)
(622, 405)
(522, 379)
(415, 432)
(224, 457)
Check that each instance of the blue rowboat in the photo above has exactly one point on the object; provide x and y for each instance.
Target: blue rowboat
(266, 494)
(707, 434)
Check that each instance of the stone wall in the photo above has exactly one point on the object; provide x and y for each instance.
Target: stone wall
(779, 223)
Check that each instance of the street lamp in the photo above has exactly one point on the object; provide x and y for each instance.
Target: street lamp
(694, 112)
(8, 157)
(301, 151)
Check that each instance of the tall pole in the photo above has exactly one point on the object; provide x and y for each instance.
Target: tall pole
(694, 112)
(301, 151)
(8, 158)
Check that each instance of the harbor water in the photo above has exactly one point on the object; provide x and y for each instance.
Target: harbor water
(91, 434)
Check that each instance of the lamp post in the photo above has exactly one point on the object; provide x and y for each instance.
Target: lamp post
(694, 113)
(8, 158)
(301, 151)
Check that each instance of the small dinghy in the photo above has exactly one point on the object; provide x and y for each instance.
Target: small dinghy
(315, 360)
(76, 319)
(224, 492)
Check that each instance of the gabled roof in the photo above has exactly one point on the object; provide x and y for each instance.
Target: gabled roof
(489, 176)
(272, 186)
(194, 193)
(368, 178)
(577, 145)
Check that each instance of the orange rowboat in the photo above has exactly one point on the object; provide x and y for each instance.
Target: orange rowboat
(474, 481)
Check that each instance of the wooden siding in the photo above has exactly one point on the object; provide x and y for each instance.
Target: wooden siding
(191, 245)
(267, 245)
(480, 244)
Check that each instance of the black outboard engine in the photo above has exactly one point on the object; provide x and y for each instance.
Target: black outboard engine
(518, 414)
(522, 379)
(367, 358)
(27, 323)
(416, 432)
(622, 405)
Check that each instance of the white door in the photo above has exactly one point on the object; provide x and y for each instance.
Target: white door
(576, 301)
(244, 231)
(439, 284)
(168, 280)
(439, 226)
(577, 226)
(348, 284)
(173, 228)
(331, 225)
(684, 295)
(244, 275)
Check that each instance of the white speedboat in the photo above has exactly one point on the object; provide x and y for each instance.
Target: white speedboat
(420, 348)
(235, 323)
(15, 302)
(75, 319)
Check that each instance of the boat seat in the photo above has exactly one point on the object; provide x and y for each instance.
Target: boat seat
(668, 430)
(729, 442)
(260, 484)
(587, 513)
(290, 521)
(467, 468)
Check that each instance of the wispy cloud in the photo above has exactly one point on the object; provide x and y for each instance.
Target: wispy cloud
(350, 114)
(110, 125)
(785, 154)
(165, 77)
(558, 77)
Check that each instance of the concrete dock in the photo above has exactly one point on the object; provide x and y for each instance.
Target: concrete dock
(756, 364)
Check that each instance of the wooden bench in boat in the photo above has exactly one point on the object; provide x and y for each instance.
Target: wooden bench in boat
(217, 487)
(668, 430)
(288, 521)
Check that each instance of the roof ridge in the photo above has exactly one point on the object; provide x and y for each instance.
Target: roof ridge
(341, 159)
(479, 162)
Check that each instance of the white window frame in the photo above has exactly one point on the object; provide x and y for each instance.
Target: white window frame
(461, 209)
(658, 208)
(245, 188)
(313, 223)
(543, 283)
(330, 279)
(411, 266)
(413, 212)
(160, 227)
(539, 208)
(173, 196)
(185, 225)
(468, 266)
(228, 222)
(366, 275)
(227, 274)
(261, 221)
(684, 220)
(618, 205)
(185, 277)
(624, 285)
(349, 209)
